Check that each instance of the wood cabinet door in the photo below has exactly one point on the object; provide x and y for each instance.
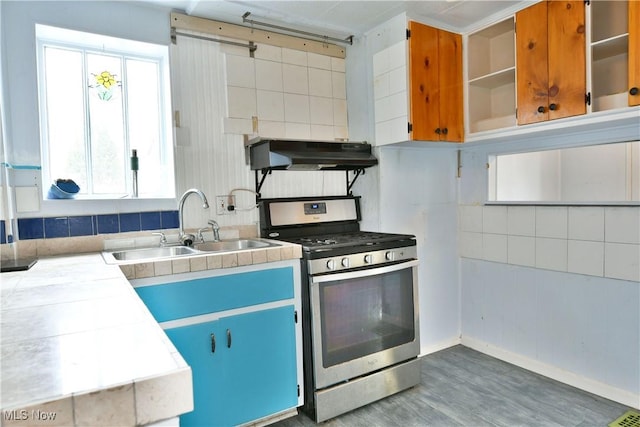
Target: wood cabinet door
(531, 64)
(567, 59)
(424, 90)
(450, 73)
(634, 53)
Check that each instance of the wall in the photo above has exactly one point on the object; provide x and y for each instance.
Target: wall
(414, 191)
(554, 289)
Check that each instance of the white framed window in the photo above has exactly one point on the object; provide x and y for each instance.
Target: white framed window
(100, 98)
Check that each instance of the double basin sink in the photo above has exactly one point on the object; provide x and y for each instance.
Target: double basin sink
(147, 254)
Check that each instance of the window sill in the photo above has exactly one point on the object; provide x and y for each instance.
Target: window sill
(93, 206)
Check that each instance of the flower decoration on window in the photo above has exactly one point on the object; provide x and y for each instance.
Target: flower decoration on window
(105, 84)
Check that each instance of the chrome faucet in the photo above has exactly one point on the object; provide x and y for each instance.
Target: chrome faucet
(216, 229)
(185, 238)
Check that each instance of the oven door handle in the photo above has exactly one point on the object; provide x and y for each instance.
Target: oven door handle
(333, 277)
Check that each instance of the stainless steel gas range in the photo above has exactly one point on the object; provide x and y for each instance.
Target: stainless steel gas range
(360, 303)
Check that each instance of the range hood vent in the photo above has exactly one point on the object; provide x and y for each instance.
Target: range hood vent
(293, 154)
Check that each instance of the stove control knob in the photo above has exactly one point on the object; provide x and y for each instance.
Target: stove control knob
(345, 262)
(331, 265)
(368, 259)
(390, 255)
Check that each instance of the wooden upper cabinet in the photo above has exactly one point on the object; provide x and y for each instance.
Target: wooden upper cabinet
(550, 61)
(634, 53)
(435, 84)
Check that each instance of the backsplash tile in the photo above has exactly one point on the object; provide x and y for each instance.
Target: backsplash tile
(31, 228)
(56, 227)
(590, 240)
(91, 225)
(129, 222)
(81, 226)
(150, 221)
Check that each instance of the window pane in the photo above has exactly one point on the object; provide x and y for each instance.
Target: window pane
(106, 121)
(144, 111)
(64, 94)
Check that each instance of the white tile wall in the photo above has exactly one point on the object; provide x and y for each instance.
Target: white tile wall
(494, 247)
(551, 222)
(494, 219)
(622, 261)
(551, 254)
(622, 225)
(521, 220)
(521, 250)
(585, 257)
(296, 57)
(590, 240)
(390, 94)
(270, 105)
(296, 79)
(268, 75)
(286, 86)
(586, 223)
(296, 108)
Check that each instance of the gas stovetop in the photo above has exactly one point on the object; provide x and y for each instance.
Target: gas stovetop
(341, 240)
(324, 226)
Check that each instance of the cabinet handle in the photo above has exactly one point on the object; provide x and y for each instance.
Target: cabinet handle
(541, 109)
(228, 338)
(553, 107)
(213, 343)
(437, 131)
(445, 131)
(633, 91)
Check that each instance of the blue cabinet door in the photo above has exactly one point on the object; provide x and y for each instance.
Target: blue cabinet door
(252, 372)
(200, 346)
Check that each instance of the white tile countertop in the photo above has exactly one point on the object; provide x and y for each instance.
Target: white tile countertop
(78, 346)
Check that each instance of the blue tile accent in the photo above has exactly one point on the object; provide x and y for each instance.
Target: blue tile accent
(108, 224)
(56, 227)
(3, 233)
(31, 228)
(129, 222)
(81, 226)
(150, 220)
(169, 219)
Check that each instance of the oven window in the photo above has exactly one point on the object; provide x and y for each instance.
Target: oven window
(362, 316)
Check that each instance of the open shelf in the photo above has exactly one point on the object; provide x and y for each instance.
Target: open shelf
(492, 77)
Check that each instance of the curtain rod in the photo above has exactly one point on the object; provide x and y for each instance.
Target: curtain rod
(348, 40)
(251, 45)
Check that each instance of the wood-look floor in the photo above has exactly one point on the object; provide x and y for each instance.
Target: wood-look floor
(462, 387)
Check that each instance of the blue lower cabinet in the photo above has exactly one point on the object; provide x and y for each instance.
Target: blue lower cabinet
(244, 366)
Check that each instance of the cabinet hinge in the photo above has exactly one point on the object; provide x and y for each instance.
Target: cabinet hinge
(298, 390)
(516, 113)
(408, 33)
(587, 2)
(295, 316)
(587, 98)
(409, 127)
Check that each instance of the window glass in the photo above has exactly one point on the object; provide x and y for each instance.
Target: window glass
(100, 100)
(607, 173)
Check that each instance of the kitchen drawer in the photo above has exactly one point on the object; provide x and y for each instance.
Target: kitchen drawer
(188, 298)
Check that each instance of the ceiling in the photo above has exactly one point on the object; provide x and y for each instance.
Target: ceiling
(345, 17)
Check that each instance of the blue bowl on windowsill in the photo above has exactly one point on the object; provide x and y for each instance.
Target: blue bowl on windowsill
(63, 189)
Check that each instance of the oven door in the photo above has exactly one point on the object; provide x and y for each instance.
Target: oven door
(363, 321)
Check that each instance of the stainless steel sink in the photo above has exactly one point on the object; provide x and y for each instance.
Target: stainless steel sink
(149, 253)
(232, 245)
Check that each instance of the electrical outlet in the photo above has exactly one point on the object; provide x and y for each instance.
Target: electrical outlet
(223, 203)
